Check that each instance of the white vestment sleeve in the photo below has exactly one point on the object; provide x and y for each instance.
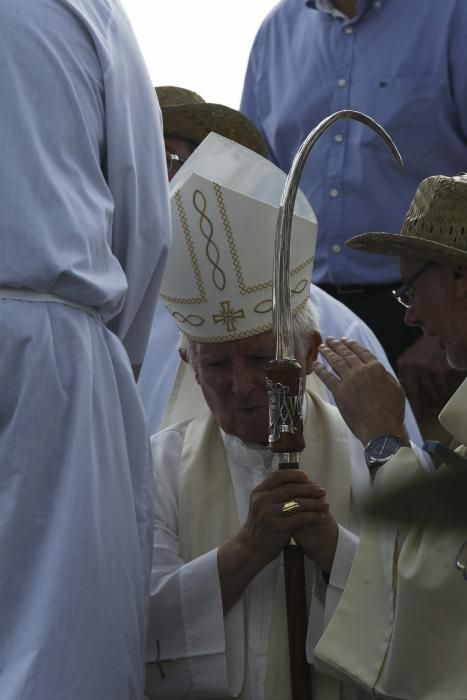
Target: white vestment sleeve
(424, 458)
(327, 596)
(186, 647)
(347, 544)
(136, 174)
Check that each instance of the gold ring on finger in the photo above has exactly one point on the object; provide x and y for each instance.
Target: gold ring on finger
(291, 507)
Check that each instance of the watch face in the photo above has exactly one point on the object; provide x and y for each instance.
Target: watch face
(384, 446)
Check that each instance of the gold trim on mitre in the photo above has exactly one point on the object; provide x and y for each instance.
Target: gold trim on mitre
(225, 202)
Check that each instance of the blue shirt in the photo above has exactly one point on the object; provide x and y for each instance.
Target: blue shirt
(401, 62)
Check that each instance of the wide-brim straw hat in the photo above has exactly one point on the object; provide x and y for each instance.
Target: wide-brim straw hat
(435, 227)
(185, 114)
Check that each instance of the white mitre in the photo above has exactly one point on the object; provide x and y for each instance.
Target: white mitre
(218, 280)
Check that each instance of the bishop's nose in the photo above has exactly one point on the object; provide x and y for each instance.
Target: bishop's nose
(244, 379)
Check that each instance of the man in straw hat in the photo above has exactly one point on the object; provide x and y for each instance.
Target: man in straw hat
(188, 119)
(405, 593)
(217, 612)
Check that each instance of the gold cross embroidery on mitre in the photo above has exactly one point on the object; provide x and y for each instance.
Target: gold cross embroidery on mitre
(228, 316)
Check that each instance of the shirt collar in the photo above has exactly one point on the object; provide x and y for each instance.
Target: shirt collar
(329, 7)
(452, 417)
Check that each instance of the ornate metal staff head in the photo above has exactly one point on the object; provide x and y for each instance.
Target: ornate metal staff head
(284, 392)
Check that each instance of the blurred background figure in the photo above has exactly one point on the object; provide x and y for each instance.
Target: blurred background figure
(312, 58)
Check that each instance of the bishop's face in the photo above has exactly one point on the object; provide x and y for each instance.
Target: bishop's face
(232, 378)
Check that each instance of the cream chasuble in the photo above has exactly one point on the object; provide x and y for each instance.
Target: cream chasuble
(206, 488)
(400, 628)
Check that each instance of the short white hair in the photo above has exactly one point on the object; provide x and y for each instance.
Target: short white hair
(304, 322)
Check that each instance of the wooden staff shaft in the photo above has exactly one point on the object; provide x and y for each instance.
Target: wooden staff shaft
(286, 438)
(297, 617)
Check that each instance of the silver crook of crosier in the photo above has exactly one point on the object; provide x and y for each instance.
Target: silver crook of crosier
(281, 308)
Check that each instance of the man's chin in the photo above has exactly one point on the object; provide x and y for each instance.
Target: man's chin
(457, 363)
(456, 359)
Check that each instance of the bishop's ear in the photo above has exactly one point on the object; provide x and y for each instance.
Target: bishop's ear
(190, 360)
(183, 355)
(314, 342)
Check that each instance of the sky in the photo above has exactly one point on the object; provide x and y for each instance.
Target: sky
(201, 45)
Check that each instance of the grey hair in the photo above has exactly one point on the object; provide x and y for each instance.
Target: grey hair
(304, 322)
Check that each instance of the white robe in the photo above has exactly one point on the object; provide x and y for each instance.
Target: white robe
(84, 216)
(198, 648)
(405, 595)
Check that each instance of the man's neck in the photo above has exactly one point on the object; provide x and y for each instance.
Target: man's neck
(347, 7)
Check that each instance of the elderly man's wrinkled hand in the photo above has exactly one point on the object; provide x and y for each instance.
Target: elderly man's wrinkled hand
(319, 541)
(267, 528)
(368, 397)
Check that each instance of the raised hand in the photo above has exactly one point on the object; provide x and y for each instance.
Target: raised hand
(368, 397)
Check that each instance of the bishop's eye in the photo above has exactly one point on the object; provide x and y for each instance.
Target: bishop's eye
(215, 363)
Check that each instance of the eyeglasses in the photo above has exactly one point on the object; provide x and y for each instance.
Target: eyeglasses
(405, 295)
(172, 160)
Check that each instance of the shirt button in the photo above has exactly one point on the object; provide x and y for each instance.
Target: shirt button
(348, 30)
(342, 82)
(377, 4)
(336, 248)
(334, 193)
(338, 138)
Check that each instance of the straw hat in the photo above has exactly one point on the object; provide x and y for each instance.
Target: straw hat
(186, 115)
(435, 227)
(217, 284)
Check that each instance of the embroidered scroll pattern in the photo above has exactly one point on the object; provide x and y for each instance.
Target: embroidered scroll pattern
(192, 319)
(207, 231)
(201, 299)
(233, 248)
(265, 306)
(244, 288)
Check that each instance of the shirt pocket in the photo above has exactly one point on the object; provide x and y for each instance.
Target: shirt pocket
(407, 107)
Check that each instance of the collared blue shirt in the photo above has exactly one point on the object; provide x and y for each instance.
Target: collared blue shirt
(401, 62)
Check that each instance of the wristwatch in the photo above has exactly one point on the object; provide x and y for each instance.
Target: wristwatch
(381, 448)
